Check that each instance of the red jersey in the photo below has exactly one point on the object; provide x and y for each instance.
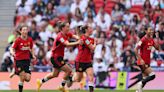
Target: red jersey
(58, 45)
(145, 46)
(22, 48)
(84, 53)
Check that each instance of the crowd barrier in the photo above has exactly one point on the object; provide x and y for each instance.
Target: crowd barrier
(113, 80)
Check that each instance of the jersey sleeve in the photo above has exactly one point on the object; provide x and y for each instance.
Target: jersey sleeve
(15, 44)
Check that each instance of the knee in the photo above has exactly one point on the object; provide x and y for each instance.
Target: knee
(27, 80)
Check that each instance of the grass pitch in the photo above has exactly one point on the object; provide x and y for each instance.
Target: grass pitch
(83, 91)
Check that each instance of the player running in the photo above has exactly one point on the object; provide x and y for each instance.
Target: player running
(21, 50)
(59, 45)
(83, 61)
(145, 45)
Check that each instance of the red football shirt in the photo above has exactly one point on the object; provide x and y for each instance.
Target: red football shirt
(58, 45)
(145, 46)
(84, 53)
(22, 48)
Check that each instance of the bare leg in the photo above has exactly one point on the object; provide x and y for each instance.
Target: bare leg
(90, 75)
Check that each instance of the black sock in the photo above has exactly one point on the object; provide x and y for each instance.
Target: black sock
(70, 78)
(20, 87)
(44, 80)
(91, 88)
(63, 83)
(147, 79)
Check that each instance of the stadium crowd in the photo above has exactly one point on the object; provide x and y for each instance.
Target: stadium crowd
(115, 23)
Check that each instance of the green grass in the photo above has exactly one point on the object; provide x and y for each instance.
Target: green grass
(86, 91)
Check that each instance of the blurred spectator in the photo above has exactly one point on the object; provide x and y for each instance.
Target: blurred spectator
(7, 65)
(116, 61)
(102, 50)
(120, 34)
(89, 19)
(33, 31)
(42, 64)
(44, 34)
(39, 7)
(161, 34)
(77, 19)
(115, 44)
(49, 11)
(147, 8)
(23, 8)
(70, 54)
(27, 3)
(89, 10)
(116, 12)
(63, 8)
(157, 10)
(137, 2)
(81, 4)
(112, 68)
(128, 58)
(127, 17)
(103, 19)
(91, 5)
(162, 4)
(146, 21)
(131, 38)
(99, 66)
(125, 4)
(135, 21)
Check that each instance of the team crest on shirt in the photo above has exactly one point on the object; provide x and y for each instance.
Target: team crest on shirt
(62, 40)
(87, 42)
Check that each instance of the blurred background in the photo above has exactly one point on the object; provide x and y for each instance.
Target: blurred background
(117, 24)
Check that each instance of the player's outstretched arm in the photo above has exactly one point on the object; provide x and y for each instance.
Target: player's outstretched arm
(75, 37)
(72, 43)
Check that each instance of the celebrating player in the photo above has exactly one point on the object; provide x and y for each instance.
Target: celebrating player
(22, 49)
(84, 58)
(59, 45)
(145, 45)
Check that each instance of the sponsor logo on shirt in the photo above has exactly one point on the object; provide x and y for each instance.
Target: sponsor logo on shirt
(62, 40)
(87, 42)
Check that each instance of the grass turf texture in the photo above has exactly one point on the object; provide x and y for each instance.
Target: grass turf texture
(84, 91)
